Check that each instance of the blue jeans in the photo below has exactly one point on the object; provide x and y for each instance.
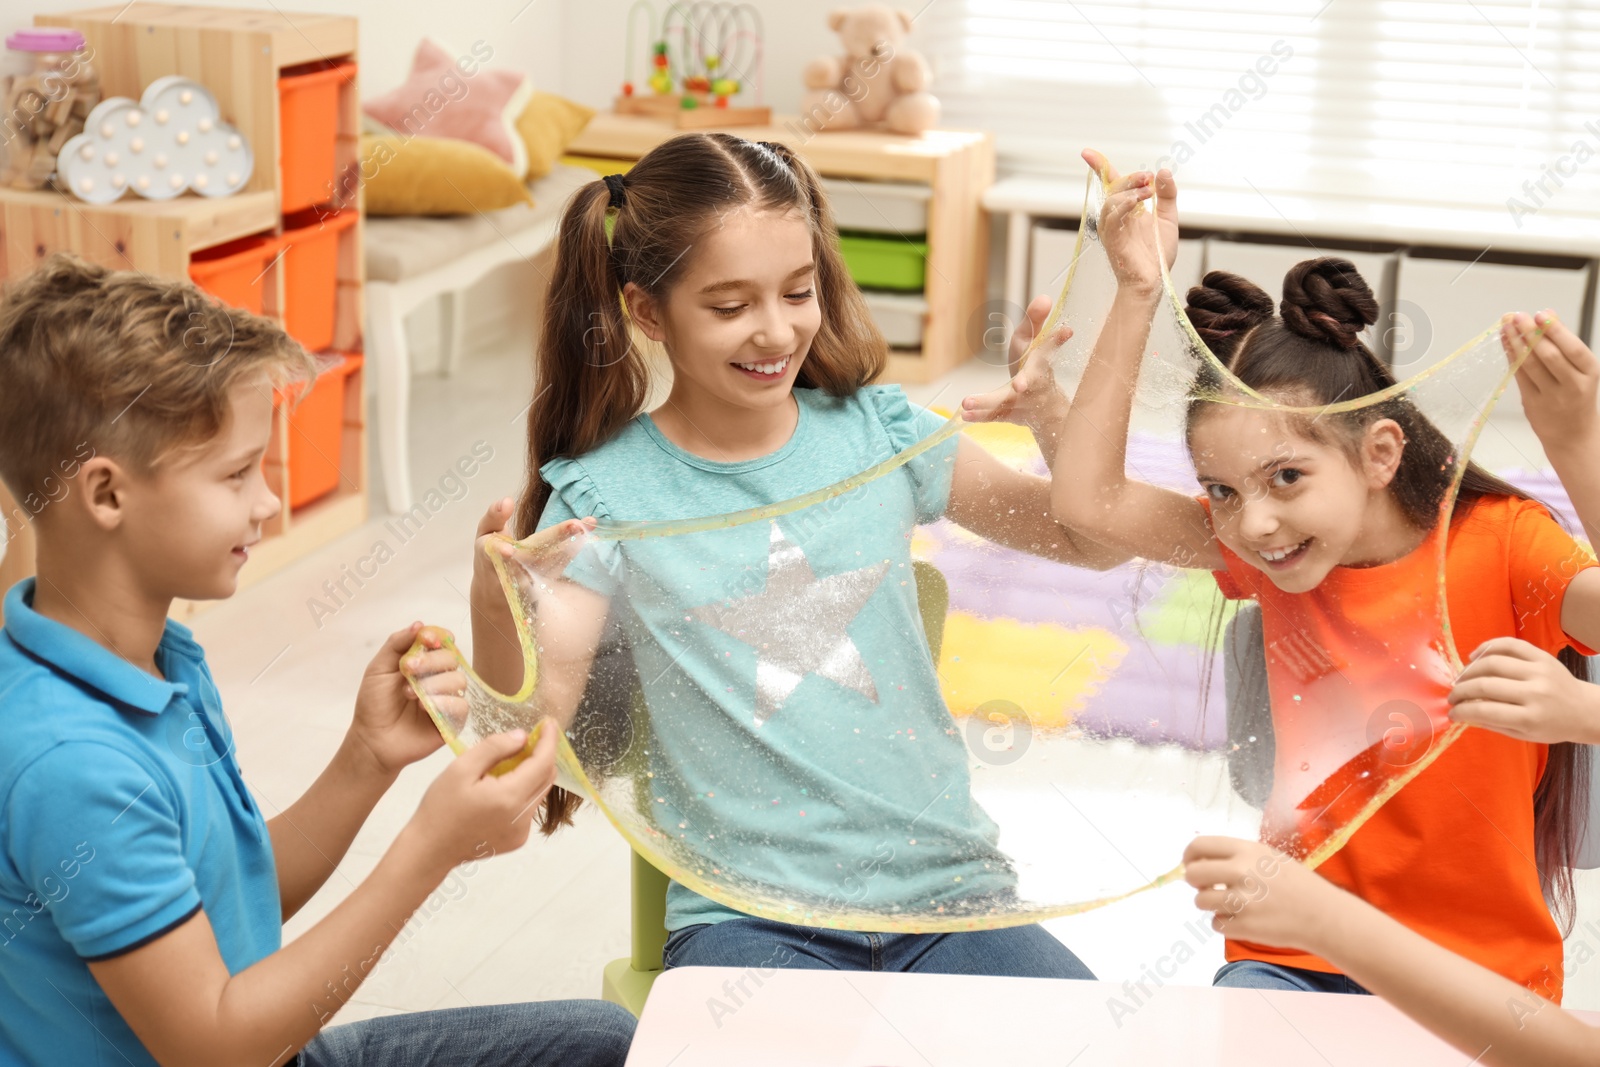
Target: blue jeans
(1014, 952)
(1254, 974)
(568, 1033)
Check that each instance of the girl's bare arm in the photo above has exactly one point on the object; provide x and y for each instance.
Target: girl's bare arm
(1468, 1005)
(1091, 492)
(1011, 507)
(1104, 517)
(567, 618)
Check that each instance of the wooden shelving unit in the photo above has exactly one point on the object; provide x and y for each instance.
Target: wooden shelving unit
(956, 165)
(238, 55)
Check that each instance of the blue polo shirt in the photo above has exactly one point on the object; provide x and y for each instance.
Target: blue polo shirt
(122, 814)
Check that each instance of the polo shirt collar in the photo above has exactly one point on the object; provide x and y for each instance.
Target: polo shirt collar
(75, 655)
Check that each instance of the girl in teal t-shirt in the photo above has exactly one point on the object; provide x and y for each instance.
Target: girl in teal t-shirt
(807, 684)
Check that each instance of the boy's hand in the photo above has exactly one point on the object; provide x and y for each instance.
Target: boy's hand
(1258, 893)
(1559, 379)
(390, 725)
(1522, 691)
(468, 806)
(1031, 398)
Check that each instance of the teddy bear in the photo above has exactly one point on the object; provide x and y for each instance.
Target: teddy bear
(879, 81)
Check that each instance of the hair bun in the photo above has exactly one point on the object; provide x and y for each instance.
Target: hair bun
(1224, 307)
(1327, 300)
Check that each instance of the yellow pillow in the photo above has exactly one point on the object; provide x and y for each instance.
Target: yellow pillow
(601, 165)
(547, 125)
(435, 176)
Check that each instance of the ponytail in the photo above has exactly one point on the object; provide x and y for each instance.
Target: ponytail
(590, 378)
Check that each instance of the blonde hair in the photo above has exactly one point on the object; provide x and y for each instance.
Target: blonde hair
(132, 366)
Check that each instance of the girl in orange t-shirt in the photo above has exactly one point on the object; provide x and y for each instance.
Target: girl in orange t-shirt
(1333, 524)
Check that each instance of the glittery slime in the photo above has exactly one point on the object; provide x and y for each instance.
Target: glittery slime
(752, 701)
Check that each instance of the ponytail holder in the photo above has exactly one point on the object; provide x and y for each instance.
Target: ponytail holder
(775, 149)
(614, 183)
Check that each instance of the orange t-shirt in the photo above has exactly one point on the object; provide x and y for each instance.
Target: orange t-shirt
(1449, 855)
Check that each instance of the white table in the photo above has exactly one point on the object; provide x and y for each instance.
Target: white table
(700, 1017)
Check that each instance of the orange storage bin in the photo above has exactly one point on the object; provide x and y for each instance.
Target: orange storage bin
(316, 431)
(235, 273)
(311, 275)
(308, 133)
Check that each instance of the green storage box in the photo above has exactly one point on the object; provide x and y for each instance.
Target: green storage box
(879, 262)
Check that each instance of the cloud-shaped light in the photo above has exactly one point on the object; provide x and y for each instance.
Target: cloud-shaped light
(169, 141)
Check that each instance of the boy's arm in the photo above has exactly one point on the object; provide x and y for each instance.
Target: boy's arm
(1267, 898)
(178, 997)
(389, 732)
(311, 836)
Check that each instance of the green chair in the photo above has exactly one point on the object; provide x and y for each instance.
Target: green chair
(627, 981)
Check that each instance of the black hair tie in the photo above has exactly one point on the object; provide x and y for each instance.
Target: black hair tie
(618, 194)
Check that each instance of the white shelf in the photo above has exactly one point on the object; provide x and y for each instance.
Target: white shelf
(1547, 232)
(905, 303)
(879, 206)
(901, 317)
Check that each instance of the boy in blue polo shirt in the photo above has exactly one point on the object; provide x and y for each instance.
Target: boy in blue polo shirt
(142, 893)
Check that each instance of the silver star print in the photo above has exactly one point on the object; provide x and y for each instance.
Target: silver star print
(797, 625)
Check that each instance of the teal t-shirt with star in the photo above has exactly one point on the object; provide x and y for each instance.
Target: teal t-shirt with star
(797, 735)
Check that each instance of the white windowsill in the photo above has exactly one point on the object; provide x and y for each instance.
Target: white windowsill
(1548, 231)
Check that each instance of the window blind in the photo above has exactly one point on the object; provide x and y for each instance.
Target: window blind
(1473, 103)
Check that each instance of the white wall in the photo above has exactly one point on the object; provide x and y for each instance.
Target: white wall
(574, 47)
(530, 41)
(593, 36)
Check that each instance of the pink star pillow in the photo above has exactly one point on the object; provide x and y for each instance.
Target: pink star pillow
(448, 97)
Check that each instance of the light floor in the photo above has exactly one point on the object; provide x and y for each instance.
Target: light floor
(541, 923)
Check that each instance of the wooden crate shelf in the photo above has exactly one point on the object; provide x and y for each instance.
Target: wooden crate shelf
(238, 55)
(235, 53)
(158, 235)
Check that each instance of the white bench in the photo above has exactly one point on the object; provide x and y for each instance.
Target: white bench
(414, 259)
